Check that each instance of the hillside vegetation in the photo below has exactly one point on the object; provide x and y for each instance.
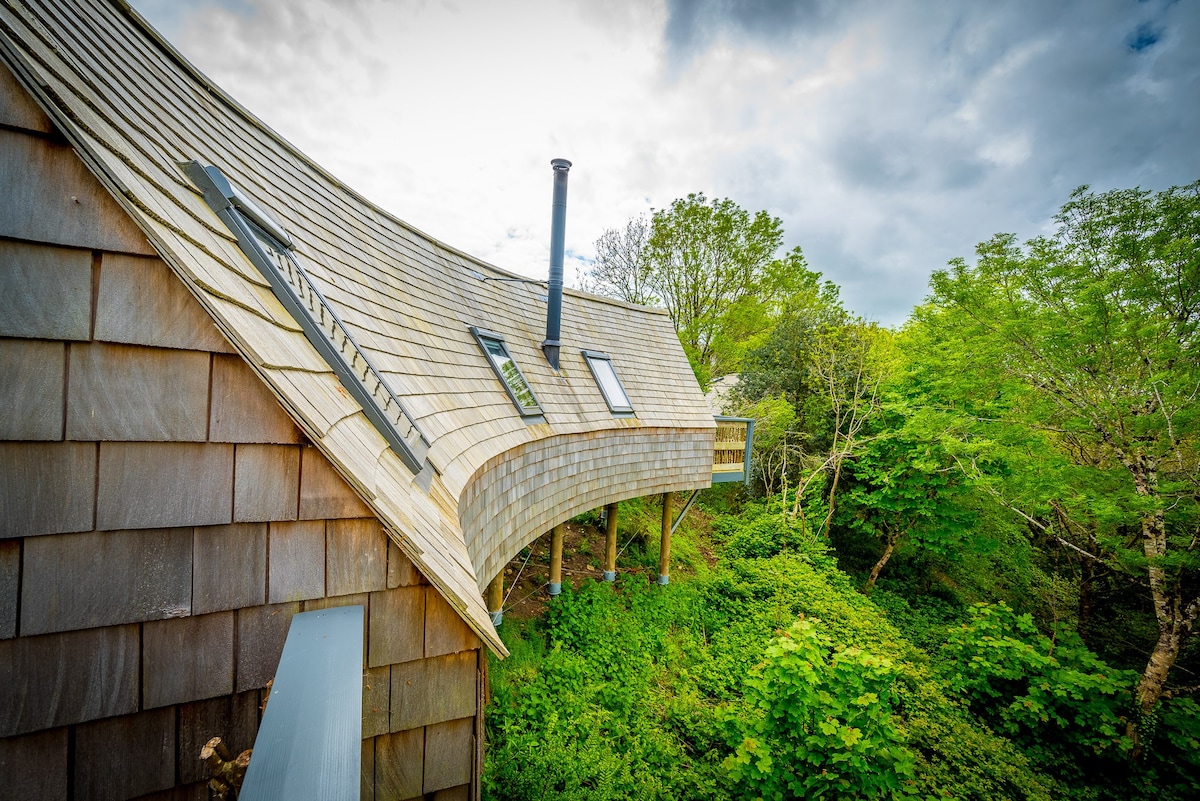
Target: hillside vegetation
(966, 567)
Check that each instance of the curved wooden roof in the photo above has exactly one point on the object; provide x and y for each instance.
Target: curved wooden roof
(135, 110)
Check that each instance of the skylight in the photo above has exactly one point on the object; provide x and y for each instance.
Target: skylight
(606, 377)
(507, 371)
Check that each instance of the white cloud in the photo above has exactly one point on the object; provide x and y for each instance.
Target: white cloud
(888, 137)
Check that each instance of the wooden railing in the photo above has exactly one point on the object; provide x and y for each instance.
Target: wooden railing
(731, 451)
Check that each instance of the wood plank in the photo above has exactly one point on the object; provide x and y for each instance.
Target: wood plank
(17, 108)
(244, 409)
(266, 483)
(232, 718)
(297, 561)
(323, 493)
(449, 754)
(229, 567)
(401, 571)
(377, 691)
(146, 484)
(187, 659)
(397, 626)
(79, 581)
(428, 691)
(262, 631)
(45, 292)
(99, 775)
(35, 766)
(366, 787)
(59, 679)
(10, 582)
(399, 764)
(46, 488)
(31, 389)
(445, 630)
(51, 197)
(141, 302)
(356, 556)
(127, 392)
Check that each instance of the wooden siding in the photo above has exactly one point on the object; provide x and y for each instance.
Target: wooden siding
(151, 491)
(128, 105)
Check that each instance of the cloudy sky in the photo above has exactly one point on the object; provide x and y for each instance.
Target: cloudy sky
(888, 136)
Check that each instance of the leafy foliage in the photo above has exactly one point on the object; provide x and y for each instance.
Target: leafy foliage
(824, 725)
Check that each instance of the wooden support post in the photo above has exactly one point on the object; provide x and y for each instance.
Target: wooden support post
(495, 598)
(556, 543)
(610, 543)
(664, 551)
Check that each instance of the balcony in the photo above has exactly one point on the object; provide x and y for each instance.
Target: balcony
(731, 451)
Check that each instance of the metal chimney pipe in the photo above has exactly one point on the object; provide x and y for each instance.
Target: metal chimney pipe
(558, 233)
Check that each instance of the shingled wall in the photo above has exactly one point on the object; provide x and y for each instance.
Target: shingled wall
(161, 520)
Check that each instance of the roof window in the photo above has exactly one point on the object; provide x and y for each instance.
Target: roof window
(507, 371)
(610, 386)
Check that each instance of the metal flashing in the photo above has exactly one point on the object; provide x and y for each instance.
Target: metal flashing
(270, 249)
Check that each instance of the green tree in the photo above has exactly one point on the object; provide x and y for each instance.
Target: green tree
(713, 266)
(1087, 342)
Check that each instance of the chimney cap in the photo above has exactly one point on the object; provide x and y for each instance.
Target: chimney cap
(560, 164)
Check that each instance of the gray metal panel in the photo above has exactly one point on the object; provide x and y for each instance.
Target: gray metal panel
(309, 743)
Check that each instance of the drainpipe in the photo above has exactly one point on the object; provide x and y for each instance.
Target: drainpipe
(558, 233)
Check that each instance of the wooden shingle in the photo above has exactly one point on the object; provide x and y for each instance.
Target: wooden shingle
(232, 718)
(356, 556)
(126, 392)
(323, 493)
(141, 302)
(243, 409)
(428, 691)
(31, 389)
(101, 774)
(399, 763)
(297, 561)
(261, 632)
(267, 483)
(46, 488)
(229, 567)
(45, 292)
(10, 574)
(17, 109)
(187, 659)
(449, 754)
(397, 626)
(58, 679)
(445, 631)
(52, 198)
(104, 578)
(35, 766)
(377, 691)
(145, 484)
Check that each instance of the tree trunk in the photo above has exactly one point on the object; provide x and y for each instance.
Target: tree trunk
(883, 560)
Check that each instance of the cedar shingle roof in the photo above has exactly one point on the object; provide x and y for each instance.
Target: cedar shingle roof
(135, 109)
